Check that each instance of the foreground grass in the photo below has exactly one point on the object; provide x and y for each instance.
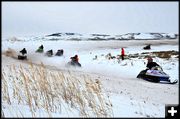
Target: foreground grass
(40, 88)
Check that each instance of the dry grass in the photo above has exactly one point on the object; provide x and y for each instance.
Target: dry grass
(166, 54)
(41, 88)
(160, 54)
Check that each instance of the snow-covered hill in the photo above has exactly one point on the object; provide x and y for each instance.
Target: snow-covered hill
(148, 36)
(79, 37)
(129, 36)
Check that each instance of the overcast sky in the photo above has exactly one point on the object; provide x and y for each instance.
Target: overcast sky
(35, 18)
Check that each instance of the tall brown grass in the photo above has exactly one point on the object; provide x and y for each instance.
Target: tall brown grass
(41, 88)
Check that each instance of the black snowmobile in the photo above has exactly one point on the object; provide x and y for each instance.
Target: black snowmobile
(156, 74)
(60, 52)
(148, 47)
(49, 53)
(22, 56)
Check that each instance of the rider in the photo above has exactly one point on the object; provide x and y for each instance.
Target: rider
(151, 64)
(75, 59)
(41, 47)
(23, 51)
(60, 52)
(50, 52)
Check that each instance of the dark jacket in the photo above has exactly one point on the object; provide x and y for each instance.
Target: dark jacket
(50, 52)
(41, 47)
(23, 51)
(75, 59)
(151, 64)
(60, 52)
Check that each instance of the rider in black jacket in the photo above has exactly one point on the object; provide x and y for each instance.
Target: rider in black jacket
(151, 64)
(23, 51)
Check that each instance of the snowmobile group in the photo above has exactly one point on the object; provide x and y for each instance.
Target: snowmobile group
(153, 72)
(74, 60)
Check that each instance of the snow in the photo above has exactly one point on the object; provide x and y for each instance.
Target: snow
(131, 97)
(139, 108)
(149, 36)
(144, 35)
(95, 36)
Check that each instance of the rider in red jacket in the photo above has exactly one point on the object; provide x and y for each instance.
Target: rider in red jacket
(75, 58)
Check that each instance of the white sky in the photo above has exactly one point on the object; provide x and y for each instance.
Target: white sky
(35, 18)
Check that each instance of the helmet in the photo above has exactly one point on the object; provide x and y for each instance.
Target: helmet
(76, 55)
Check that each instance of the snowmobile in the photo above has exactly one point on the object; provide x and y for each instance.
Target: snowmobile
(59, 52)
(73, 63)
(22, 55)
(148, 47)
(156, 74)
(49, 53)
(39, 50)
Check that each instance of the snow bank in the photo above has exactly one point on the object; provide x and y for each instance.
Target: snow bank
(130, 97)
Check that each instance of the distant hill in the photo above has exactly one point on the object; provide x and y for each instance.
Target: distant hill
(96, 36)
(128, 36)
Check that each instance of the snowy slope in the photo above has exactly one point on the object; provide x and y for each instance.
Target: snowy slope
(131, 97)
